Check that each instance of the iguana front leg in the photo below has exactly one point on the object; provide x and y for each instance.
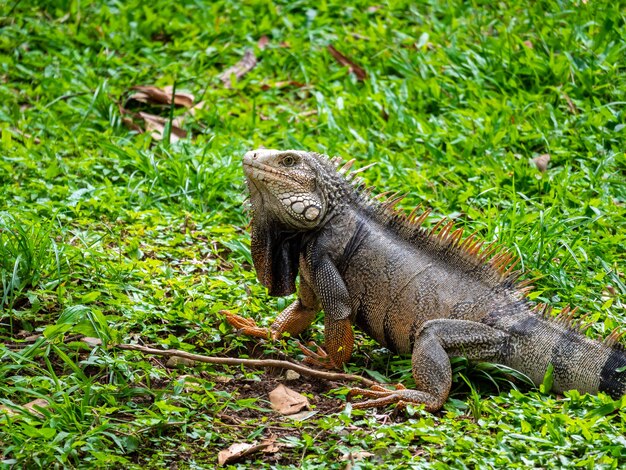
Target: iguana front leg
(293, 320)
(434, 345)
(335, 301)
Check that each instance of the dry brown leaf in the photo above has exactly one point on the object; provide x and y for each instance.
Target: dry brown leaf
(237, 451)
(247, 63)
(272, 446)
(345, 61)
(570, 104)
(156, 126)
(39, 402)
(374, 8)
(32, 338)
(302, 415)
(287, 401)
(128, 122)
(24, 135)
(541, 162)
(263, 41)
(291, 375)
(197, 107)
(30, 406)
(155, 95)
(91, 342)
(358, 455)
(529, 44)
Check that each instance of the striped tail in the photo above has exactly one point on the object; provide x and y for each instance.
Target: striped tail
(578, 362)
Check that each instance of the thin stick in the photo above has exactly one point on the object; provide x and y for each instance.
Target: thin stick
(253, 363)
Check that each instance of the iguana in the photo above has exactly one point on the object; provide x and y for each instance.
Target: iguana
(432, 293)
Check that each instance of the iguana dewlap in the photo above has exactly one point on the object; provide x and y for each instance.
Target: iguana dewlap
(430, 293)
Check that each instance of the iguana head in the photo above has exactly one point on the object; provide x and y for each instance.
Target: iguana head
(290, 194)
(284, 185)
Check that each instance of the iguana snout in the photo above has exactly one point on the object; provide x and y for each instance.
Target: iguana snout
(284, 184)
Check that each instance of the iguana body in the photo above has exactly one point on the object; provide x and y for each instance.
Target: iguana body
(430, 293)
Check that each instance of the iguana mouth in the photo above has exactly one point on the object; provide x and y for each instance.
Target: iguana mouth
(262, 172)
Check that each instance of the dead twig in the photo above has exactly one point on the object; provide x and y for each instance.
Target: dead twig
(252, 363)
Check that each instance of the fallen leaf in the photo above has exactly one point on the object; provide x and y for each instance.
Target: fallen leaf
(374, 8)
(24, 135)
(237, 451)
(32, 338)
(291, 375)
(272, 446)
(541, 162)
(247, 63)
(197, 107)
(302, 415)
(287, 401)
(570, 104)
(30, 406)
(343, 60)
(529, 44)
(39, 403)
(92, 342)
(263, 41)
(128, 122)
(155, 95)
(156, 124)
(358, 455)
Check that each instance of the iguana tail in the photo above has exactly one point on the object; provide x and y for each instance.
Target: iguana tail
(538, 342)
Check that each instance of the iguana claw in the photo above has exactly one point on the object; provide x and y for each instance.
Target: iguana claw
(401, 396)
(247, 326)
(318, 358)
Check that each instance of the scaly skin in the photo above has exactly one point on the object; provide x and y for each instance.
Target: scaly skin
(429, 293)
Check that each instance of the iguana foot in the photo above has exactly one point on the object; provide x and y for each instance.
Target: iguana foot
(247, 326)
(318, 358)
(382, 396)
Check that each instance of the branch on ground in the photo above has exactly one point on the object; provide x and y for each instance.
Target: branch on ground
(252, 363)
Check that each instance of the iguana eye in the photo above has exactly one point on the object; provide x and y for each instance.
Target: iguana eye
(288, 161)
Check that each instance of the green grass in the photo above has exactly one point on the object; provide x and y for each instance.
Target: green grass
(106, 233)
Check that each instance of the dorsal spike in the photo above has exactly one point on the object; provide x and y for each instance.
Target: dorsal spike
(363, 168)
(475, 247)
(488, 251)
(413, 214)
(512, 267)
(456, 236)
(443, 233)
(614, 337)
(393, 200)
(420, 220)
(468, 241)
(582, 324)
(346, 166)
(380, 196)
(368, 190)
(358, 183)
(527, 282)
(437, 226)
(336, 161)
